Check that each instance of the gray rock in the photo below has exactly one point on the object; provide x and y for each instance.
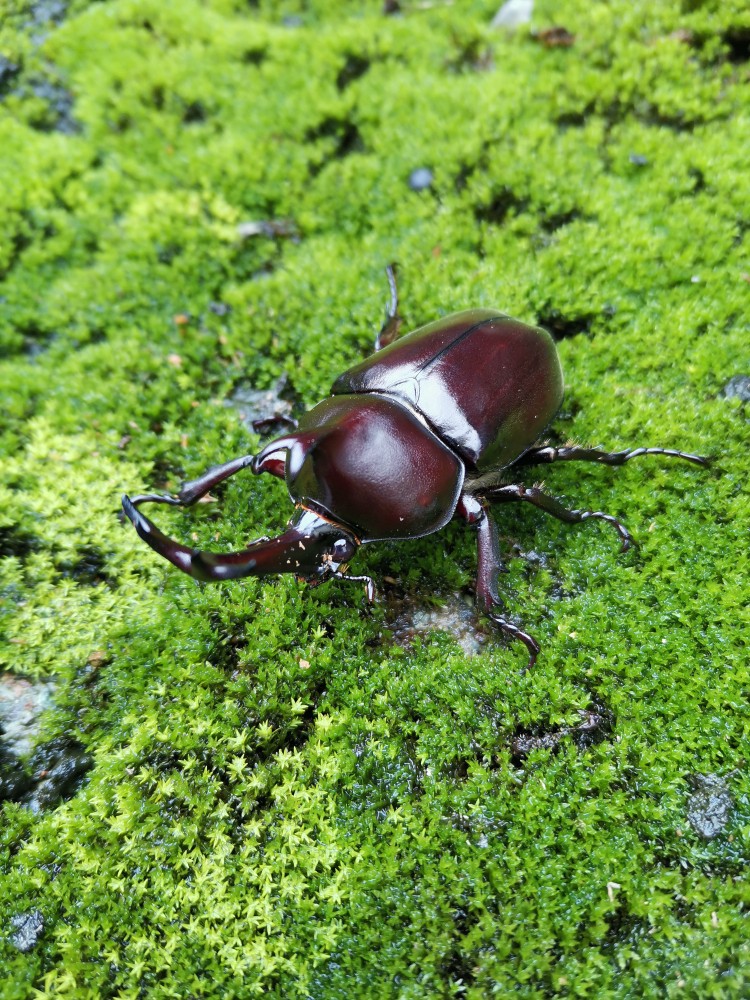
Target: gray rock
(22, 701)
(709, 806)
(29, 927)
(738, 388)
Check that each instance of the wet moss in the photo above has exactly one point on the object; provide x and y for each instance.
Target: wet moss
(283, 801)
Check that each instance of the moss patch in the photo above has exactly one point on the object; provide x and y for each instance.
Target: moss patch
(284, 801)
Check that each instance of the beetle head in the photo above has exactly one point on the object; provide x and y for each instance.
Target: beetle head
(313, 547)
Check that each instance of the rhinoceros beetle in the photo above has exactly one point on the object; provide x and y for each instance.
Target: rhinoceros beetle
(429, 428)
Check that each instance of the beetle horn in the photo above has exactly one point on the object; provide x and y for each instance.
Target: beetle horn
(310, 547)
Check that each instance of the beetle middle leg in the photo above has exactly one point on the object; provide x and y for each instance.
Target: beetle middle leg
(551, 505)
(474, 511)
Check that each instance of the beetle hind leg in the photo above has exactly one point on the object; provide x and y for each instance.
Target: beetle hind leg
(574, 453)
(551, 505)
(489, 564)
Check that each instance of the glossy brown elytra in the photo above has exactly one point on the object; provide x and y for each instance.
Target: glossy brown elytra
(429, 428)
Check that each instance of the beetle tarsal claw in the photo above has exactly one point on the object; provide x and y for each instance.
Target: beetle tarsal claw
(517, 633)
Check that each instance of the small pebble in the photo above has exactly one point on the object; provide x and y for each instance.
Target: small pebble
(420, 179)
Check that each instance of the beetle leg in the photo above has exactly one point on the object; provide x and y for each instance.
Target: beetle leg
(552, 506)
(389, 330)
(571, 453)
(193, 491)
(367, 580)
(489, 564)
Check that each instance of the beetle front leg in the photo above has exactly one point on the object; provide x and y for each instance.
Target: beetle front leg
(367, 580)
(489, 564)
(263, 424)
(574, 453)
(551, 505)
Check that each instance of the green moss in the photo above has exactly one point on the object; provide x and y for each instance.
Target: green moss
(285, 802)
